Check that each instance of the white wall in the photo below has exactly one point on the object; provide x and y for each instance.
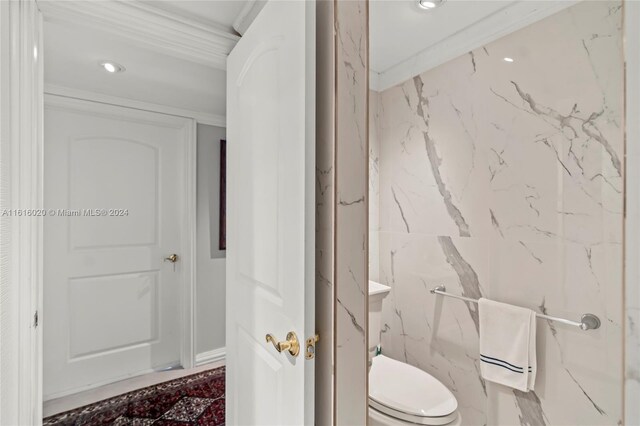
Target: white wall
(210, 262)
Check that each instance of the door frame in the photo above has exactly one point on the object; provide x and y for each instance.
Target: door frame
(187, 127)
(21, 101)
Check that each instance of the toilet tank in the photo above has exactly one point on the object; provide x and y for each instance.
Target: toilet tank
(377, 293)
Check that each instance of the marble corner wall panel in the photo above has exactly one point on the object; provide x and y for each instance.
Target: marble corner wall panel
(374, 186)
(632, 225)
(505, 180)
(632, 296)
(351, 211)
(342, 155)
(325, 207)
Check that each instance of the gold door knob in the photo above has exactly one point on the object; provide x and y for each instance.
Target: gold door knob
(291, 344)
(173, 258)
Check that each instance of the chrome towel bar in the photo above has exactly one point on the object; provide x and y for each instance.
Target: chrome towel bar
(587, 321)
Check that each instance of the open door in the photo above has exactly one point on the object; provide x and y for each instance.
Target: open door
(270, 217)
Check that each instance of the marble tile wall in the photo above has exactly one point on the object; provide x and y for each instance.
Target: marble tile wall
(505, 180)
(374, 186)
(325, 206)
(351, 200)
(342, 155)
(632, 224)
(632, 308)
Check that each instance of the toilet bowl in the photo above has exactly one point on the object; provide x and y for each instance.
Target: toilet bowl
(401, 394)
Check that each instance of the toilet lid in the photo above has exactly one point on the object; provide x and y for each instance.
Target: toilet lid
(409, 390)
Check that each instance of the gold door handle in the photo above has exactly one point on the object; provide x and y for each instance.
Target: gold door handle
(291, 344)
(173, 258)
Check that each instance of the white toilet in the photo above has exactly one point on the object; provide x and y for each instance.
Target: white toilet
(401, 394)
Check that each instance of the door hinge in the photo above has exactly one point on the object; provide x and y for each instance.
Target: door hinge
(310, 347)
(35, 320)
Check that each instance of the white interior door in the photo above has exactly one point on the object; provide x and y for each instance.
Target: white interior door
(116, 192)
(270, 216)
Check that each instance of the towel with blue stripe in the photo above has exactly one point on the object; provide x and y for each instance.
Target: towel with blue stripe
(507, 344)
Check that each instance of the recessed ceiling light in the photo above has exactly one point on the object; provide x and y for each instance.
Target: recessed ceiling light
(507, 59)
(430, 4)
(112, 67)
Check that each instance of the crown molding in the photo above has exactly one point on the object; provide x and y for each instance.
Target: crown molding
(199, 117)
(505, 21)
(247, 15)
(148, 27)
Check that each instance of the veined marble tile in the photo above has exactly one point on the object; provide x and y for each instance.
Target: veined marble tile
(632, 293)
(325, 220)
(505, 180)
(581, 369)
(553, 132)
(435, 333)
(632, 370)
(434, 169)
(374, 185)
(351, 261)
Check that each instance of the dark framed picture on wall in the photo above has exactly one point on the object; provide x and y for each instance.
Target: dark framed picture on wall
(222, 239)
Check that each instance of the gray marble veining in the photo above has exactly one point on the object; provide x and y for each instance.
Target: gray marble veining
(435, 161)
(531, 413)
(466, 275)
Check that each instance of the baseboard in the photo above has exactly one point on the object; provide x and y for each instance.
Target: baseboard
(210, 356)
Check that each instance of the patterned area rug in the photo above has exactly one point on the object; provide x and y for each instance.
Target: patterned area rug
(190, 400)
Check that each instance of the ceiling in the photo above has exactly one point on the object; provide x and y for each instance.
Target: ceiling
(190, 76)
(72, 56)
(407, 40)
(400, 29)
(190, 73)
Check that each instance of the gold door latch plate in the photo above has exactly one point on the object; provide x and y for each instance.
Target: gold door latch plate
(310, 347)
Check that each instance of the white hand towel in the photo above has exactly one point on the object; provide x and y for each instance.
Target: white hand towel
(507, 344)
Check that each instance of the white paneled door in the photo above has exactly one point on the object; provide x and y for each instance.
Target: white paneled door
(117, 199)
(270, 217)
